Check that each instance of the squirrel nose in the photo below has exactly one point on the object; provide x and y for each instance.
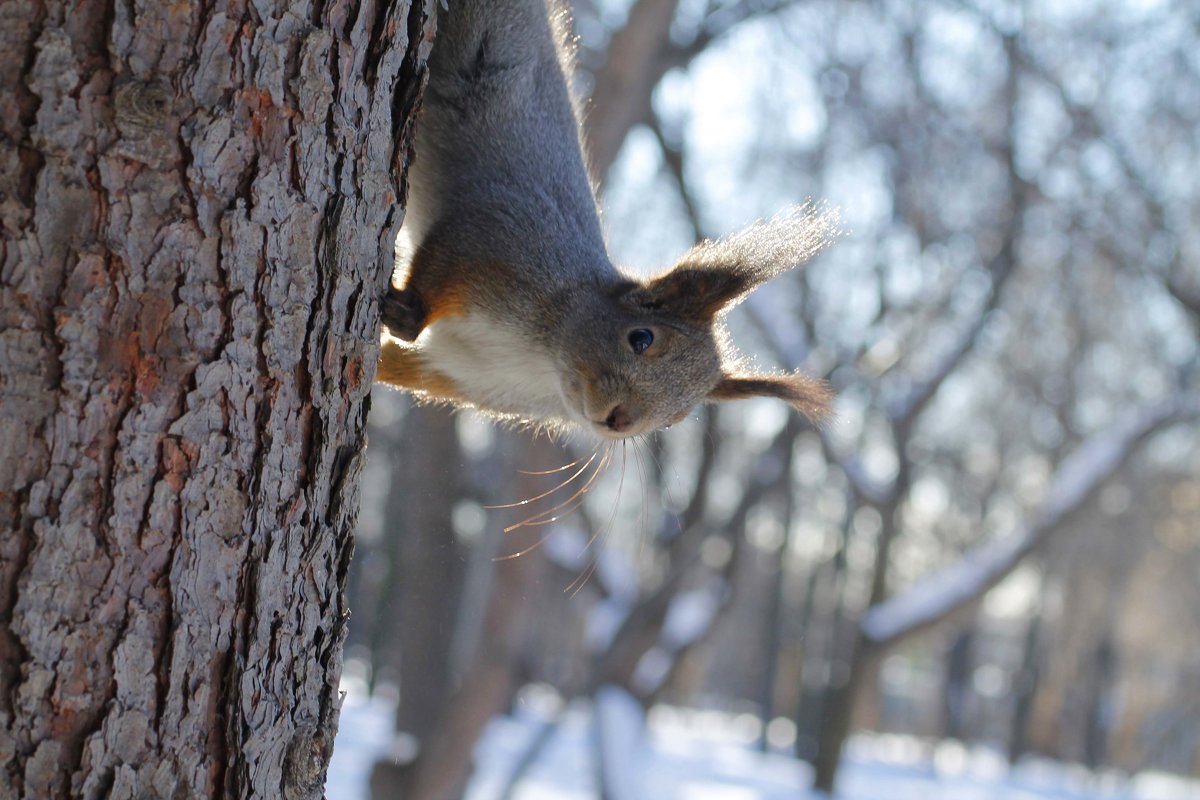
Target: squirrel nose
(619, 419)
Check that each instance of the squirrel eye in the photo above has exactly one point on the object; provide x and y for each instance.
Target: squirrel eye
(640, 340)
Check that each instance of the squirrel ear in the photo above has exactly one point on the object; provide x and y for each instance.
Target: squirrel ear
(689, 292)
(810, 396)
(717, 273)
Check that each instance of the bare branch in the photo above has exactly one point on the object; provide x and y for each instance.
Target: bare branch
(1085, 118)
(639, 55)
(673, 159)
(690, 516)
(621, 95)
(904, 411)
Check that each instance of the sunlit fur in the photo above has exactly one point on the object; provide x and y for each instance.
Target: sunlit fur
(506, 298)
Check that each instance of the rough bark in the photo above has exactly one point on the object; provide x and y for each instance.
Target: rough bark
(197, 202)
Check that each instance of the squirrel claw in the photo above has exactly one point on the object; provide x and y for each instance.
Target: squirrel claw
(403, 313)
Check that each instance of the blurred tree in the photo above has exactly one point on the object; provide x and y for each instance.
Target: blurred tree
(1011, 317)
(452, 618)
(419, 591)
(999, 193)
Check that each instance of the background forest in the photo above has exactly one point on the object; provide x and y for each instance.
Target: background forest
(998, 539)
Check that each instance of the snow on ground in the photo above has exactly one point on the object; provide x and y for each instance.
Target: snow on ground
(705, 755)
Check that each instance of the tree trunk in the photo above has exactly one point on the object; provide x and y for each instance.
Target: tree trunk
(1027, 680)
(416, 605)
(837, 712)
(198, 203)
(773, 639)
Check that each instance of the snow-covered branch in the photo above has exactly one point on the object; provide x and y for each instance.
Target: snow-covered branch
(689, 618)
(1189, 300)
(1077, 477)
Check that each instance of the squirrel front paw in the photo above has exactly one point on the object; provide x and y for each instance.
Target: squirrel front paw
(403, 313)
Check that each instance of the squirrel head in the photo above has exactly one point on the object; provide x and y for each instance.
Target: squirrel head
(641, 354)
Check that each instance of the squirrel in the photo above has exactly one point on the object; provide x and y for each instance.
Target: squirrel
(508, 301)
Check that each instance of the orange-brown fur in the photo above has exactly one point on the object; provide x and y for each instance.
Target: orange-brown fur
(405, 367)
(444, 291)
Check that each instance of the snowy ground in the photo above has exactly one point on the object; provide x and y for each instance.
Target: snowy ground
(692, 755)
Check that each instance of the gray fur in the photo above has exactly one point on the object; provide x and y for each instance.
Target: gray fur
(502, 220)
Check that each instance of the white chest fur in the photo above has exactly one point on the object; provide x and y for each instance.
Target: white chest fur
(497, 367)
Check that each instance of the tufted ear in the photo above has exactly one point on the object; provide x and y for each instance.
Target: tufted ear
(810, 396)
(695, 294)
(715, 274)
